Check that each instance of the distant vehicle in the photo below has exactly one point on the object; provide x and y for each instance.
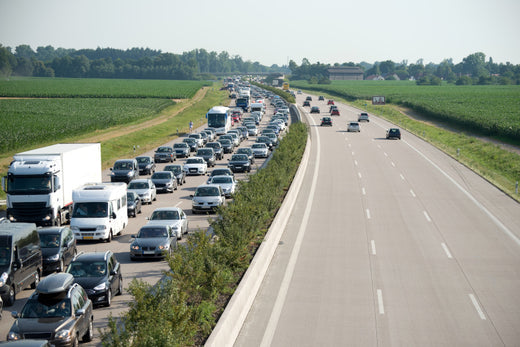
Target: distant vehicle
(330, 102)
(326, 121)
(208, 154)
(134, 204)
(217, 148)
(219, 118)
(285, 86)
(353, 127)
(58, 310)
(21, 259)
(171, 216)
(192, 143)
(198, 138)
(260, 150)
(315, 109)
(182, 149)
(207, 197)
(227, 145)
(165, 154)
(393, 133)
(239, 163)
(306, 103)
(195, 166)
(164, 181)
(248, 151)
(321, 98)
(363, 116)
(178, 172)
(308, 98)
(145, 189)
(153, 241)
(58, 247)
(226, 182)
(124, 170)
(334, 112)
(299, 92)
(220, 172)
(146, 164)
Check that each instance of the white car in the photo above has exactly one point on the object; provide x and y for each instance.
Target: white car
(195, 166)
(145, 188)
(172, 216)
(363, 116)
(226, 182)
(353, 126)
(260, 150)
(207, 197)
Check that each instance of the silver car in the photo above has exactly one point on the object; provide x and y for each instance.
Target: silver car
(172, 216)
(165, 181)
(260, 150)
(153, 241)
(353, 126)
(145, 188)
(226, 182)
(207, 197)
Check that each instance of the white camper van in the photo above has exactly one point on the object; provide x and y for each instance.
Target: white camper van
(99, 211)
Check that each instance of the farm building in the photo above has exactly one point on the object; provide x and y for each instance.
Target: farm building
(345, 73)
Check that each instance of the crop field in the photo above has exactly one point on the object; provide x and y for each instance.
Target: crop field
(27, 122)
(98, 88)
(490, 110)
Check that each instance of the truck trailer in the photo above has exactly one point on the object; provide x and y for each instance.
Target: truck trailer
(39, 182)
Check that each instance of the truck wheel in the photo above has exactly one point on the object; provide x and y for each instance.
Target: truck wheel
(109, 238)
(36, 280)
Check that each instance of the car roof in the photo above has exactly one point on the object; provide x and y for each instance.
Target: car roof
(55, 283)
(92, 255)
(168, 208)
(139, 180)
(52, 230)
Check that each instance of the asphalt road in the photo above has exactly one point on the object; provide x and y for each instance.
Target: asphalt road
(148, 271)
(390, 243)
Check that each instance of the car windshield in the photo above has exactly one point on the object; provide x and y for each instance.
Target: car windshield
(207, 191)
(189, 140)
(205, 151)
(165, 215)
(143, 160)
(45, 306)
(179, 145)
(80, 268)
(173, 168)
(225, 141)
(244, 151)
(152, 233)
(5, 255)
(239, 157)
(49, 240)
(222, 179)
(90, 210)
(123, 165)
(138, 185)
(163, 150)
(161, 175)
(194, 161)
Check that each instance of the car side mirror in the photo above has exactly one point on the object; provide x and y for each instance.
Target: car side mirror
(15, 314)
(113, 215)
(113, 273)
(80, 312)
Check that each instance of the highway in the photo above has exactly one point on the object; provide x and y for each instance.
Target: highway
(149, 271)
(390, 243)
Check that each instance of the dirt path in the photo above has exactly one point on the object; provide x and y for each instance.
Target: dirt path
(410, 113)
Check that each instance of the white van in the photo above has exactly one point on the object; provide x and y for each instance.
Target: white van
(99, 211)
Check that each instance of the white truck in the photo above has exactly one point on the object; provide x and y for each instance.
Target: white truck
(100, 211)
(39, 182)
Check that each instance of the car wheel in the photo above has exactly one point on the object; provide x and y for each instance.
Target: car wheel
(11, 298)
(109, 238)
(36, 280)
(89, 334)
(120, 287)
(109, 298)
(75, 342)
(60, 268)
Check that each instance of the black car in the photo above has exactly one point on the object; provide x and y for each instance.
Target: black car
(182, 149)
(100, 274)
(306, 103)
(124, 170)
(164, 154)
(309, 98)
(58, 247)
(227, 145)
(133, 204)
(59, 311)
(208, 154)
(315, 109)
(192, 143)
(146, 165)
(321, 98)
(326, 121)
(239, 163)
(393, 133)
(178, 172)
(248, 151)
(217, 148)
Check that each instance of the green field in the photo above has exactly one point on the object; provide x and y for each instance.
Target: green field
(98, 88)
(489, 110)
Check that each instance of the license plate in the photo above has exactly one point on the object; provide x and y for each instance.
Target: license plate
(87, 237)
(148, 252)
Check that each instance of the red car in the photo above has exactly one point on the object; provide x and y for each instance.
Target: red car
(330, 102)
(334, 112)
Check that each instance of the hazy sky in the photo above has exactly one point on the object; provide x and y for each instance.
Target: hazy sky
(274, 31)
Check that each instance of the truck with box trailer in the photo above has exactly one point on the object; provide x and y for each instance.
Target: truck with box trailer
(39, 182)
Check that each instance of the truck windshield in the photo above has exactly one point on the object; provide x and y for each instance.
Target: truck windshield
(90, 210)
(217, 120)
(29, 185)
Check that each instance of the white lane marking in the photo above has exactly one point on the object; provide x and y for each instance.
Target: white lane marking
(286, 281)
(355, 162)
(502, 227)
(477, 306)
(373, 245)
(402, 177)
(412, 192)
(353, 153)
(359, 174)
(392, 164)
(368, 213)
(349, 145)
(177, 204)
(386, 155)
(363, 191)
(380, 302)
(446, 250)
(378, 146)
(427, 216)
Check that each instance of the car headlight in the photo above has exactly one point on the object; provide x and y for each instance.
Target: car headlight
(164, 247)
(134, 247)
(130, 174)
(74, 228)
(101, 227)
(54, 257)
(62, 334)
(3, 279)
(101, 286)
(13, 336)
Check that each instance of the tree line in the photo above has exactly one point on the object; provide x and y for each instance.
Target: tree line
(473, 69)
(138, 63)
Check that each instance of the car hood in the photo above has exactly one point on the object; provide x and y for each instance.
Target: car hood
(88, 282)
(39, 325)
(161, 181)
(144, 165)
(140, 191)
(239, 162)
(187, 166)
(121, 172)
(49, 252)
(149, 242)
(174, 223)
